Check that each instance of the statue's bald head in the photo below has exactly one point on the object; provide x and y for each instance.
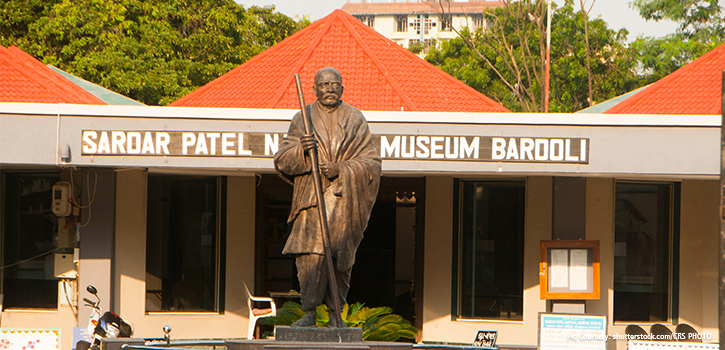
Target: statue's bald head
(328, 70)
(328, 87)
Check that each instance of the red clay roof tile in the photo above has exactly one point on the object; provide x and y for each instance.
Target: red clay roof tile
(691, 90)
(378, 74)
(25, 79)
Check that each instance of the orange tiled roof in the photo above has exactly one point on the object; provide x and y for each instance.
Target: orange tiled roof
(25, 79)
(692, 89)
(378, 74)
(418, 7)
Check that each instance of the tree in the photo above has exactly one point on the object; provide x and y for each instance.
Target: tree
(585, 19)
(471, 59)
(694, 16)
(17, 15)
(151, 51)
(701, 29)
(512, 47)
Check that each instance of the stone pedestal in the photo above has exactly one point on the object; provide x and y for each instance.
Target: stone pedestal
(321, 334)
(118, 343)
(304, 338)
(265, 344)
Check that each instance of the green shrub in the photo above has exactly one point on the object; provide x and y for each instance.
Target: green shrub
(377, 323)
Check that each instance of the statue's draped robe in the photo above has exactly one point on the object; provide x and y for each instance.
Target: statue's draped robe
(343, 138)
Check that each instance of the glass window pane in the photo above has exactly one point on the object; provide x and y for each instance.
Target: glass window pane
(182, 243)
(642, 261)
(491, 250)
(401, 23)
(29, 233)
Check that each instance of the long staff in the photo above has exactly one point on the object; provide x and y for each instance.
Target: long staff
(320, 208)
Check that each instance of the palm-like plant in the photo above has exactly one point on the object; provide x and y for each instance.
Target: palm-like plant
(377, 323)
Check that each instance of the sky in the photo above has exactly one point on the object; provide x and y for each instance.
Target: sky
(615, 12)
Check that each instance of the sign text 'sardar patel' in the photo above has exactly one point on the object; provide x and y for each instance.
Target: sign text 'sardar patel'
(165, 143)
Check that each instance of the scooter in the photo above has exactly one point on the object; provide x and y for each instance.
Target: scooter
(102, 325)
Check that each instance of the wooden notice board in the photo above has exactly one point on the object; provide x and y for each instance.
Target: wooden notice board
(569, 269)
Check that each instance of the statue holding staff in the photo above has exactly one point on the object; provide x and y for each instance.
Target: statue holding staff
(350, 166)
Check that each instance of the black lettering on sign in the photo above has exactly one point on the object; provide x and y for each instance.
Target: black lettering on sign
(179, 143)
(397, 147)
(483, 148)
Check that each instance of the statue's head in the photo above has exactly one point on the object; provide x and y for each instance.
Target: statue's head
(328, 86)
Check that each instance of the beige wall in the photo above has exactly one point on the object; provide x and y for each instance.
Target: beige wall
(130, 266)
(698, 260)
(699, 246)
(698, 263)
(63, 319)
(438, 325)
(600, 226)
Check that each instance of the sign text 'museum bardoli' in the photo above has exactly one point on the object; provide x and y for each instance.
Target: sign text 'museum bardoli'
(398, 147)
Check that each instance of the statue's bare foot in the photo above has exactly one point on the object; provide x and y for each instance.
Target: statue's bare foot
(308, 320)
(333, 323)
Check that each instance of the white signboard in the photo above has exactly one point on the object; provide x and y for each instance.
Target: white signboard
(657, 345)
(35, 339)
(399, 147)
(575, 332)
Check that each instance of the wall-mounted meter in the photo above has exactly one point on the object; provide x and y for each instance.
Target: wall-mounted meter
(61, 194)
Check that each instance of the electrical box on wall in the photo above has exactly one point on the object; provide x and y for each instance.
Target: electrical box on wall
(66, 232)
(64, 267)
(61, 194)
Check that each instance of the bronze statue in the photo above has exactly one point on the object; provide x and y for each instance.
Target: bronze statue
(351, 167)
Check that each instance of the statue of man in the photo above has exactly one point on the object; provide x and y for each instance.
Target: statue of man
(350, 167)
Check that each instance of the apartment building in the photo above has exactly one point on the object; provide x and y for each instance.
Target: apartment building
(409, 22)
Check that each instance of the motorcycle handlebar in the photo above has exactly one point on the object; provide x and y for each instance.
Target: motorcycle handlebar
(89, 301)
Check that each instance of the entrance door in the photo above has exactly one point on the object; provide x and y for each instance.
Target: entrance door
(385, 271)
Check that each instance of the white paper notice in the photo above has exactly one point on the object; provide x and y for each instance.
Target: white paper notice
(578, 270)
(559, 268)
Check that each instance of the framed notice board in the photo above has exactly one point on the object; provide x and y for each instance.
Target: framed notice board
(569, 269)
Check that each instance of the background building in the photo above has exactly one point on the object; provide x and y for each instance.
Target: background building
(410, 22)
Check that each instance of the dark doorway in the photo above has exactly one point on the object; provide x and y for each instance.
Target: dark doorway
(385, 271)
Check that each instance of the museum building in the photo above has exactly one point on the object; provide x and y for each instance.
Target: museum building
(174, 209)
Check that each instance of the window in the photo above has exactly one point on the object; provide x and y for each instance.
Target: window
(446, 23)
(401, 22)
(489, 247)
(367, 19)
(646, 216)
(426, 42)
(478, 21)
(29, 237)
(184, 236)
(425, 20)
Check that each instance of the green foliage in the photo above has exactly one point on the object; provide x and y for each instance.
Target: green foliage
(612, 64)
(659, 57)
(378, 323)
(459, 60)
(693, 16)
(151, 51)
(418, 47)
(286, 315)
(701, 29)
(514, 48)
(506, 61)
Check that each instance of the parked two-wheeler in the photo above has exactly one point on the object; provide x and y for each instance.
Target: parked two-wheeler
(102, 325)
